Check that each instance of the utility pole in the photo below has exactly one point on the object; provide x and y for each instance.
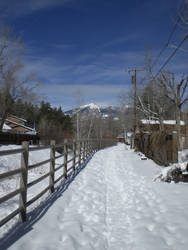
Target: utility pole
(133, 81)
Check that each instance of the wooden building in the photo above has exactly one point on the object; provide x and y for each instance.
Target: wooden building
(153, 125)
(149, 126)
(14, 124)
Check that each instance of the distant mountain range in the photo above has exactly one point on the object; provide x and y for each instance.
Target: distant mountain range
(91, 107)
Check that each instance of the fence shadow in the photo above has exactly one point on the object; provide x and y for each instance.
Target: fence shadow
(20, 229)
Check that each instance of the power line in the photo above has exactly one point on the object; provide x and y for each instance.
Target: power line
(172, 46)
(170, 36)
(173, 53)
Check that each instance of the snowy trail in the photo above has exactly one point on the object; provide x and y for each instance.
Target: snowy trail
(114, 204)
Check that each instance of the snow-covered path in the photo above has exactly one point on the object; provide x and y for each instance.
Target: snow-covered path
(114, 204)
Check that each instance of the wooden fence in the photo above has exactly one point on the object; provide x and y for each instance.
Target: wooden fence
(160, 146)
(81, 150)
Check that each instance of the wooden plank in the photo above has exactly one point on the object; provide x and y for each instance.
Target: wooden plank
(37, 196)
(59, 178)
(10, 195)
(9, 217)
(70, 160)
(69, 169)
(39, 164)
(11, 152)
(77, 163)
(37, 180)
(56, 169)
(38, 148)
(10, 173)
(59, 156)
(23, 181)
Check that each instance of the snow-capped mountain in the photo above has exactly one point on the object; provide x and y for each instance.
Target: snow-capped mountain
(91, 107)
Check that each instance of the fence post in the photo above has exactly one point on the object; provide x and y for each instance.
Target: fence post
(65, 157)
(74, 155)
(174, 148)
(87, 148)
(23, 181)
(84, 150)
(80, 152)
(95, 146)
(52, 165)
(90, 147)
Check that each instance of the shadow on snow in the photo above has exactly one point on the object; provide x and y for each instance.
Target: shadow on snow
(20, 229)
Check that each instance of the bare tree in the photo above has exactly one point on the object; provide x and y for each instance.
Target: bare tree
(13, 83)
(176, 92)
(126, 100)
(79, 99)
(154, 105)
(159, 107)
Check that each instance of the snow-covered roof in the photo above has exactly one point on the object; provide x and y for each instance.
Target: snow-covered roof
(173, 122)
(21, 125)
(168, 122)
(21, 119)
(6, 127)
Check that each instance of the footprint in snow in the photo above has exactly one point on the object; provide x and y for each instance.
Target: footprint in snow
(151, 227)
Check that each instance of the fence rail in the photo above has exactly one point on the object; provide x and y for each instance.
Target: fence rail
(81, 151)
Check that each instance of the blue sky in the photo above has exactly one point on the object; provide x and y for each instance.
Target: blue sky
(86, 45)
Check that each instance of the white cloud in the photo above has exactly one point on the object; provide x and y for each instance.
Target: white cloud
(120, 40)
(106, 68)
(17, 8)
(64, 95)
(102, 78)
